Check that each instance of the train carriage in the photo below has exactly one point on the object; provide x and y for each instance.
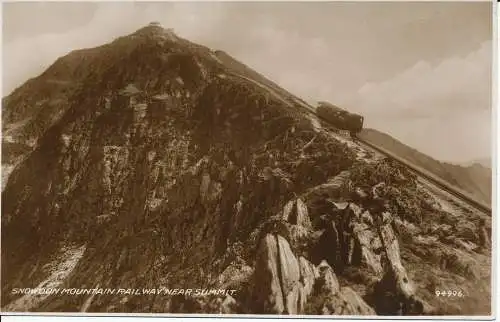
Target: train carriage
(340, 118)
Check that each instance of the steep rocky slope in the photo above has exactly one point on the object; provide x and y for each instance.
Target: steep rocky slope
(475, 179)
(161, 166)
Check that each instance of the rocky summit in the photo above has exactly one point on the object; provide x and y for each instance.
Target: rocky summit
(152, 174)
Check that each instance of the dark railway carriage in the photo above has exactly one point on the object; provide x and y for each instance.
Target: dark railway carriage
(340, 118)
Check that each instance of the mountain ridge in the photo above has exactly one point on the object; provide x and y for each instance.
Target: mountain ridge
(485, 162)
(155, 164)
(474, 179)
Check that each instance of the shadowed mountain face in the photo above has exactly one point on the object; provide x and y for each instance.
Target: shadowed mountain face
(475, 179)
(155, 163)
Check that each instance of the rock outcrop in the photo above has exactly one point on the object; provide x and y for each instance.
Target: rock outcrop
(277, 278)
(332, 299)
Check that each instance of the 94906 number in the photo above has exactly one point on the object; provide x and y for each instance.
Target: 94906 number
(449, 293)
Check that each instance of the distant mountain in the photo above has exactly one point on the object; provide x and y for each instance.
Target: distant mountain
(484, 162)
(474, 178)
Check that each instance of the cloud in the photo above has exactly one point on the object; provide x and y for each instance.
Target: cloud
(460, 138)
(456, 85)
(300, 63)
(29, 56)
(443, 110)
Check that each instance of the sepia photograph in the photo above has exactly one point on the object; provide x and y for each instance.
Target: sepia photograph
(303, 159)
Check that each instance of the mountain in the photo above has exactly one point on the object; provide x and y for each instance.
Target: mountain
(152, 174)
(484, 162)
(475, 179)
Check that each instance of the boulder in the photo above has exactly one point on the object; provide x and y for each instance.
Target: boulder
(394, 294)
(282, 284)
(328, 246)
(298, 236)
(333, 188)
(346, 304)
(395, 269)
(355, 304)
(228, 305)
(302, 218)
(296, 222)
(308, 275)
(267, 291)
(296, 213)
(276, 276)
(467, 231)
(351, 239)
(369, 248)
(327, 280)
(333, 299)
(287, 210)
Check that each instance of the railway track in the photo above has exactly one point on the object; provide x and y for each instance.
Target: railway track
(459, 193)
(426, 175)
(420, 172)
(292, 101)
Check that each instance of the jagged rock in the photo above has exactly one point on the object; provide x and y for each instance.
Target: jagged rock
(282, 284)
(287, 210)
(298, 236)
(394, 294)
(293, 301)
(484, 234)
(206, 304)
(302, 215)
(296, 213)
(290, 275)
(395, 269)
(295, 220)
(349, 240)
(416, 306)
(327, 279)
(332, 189)
(308, 275)
(276, 273)
(290, 271)
(369, 247)
(355, 304)
(228, 305)
(366, 218)
(330, 299)
(328, 246)
(467, 231)
(389, 298)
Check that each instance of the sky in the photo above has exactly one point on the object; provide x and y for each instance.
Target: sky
(419, 71)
